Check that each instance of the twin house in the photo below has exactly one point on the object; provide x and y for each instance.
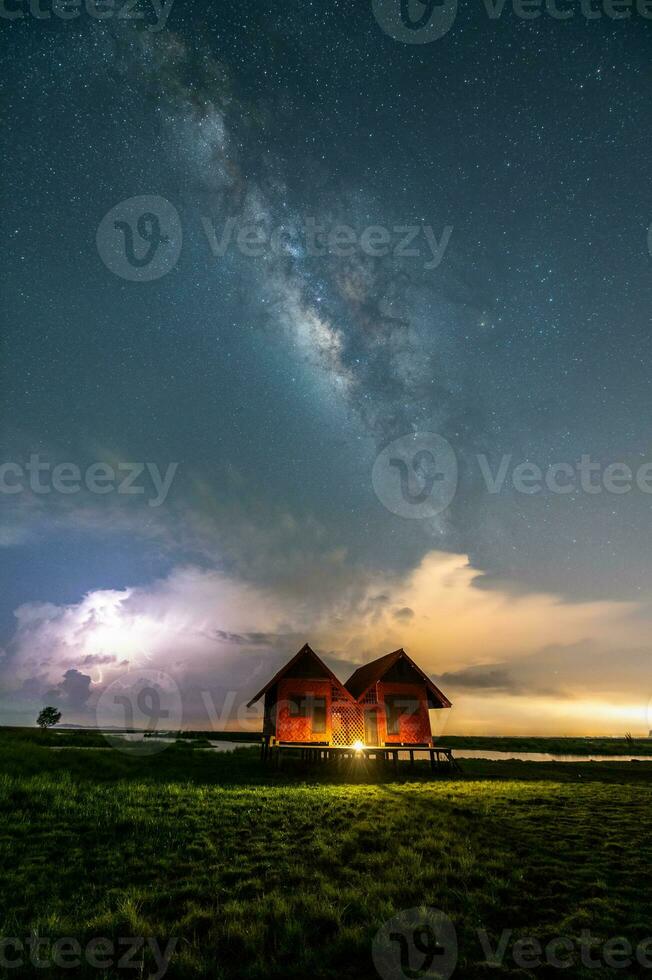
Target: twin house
(384, 703)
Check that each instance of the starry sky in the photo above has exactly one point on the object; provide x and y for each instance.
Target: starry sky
(274, 380)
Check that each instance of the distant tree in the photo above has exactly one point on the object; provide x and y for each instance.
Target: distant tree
(48, 717)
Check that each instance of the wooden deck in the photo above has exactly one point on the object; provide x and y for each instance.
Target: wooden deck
(440, 757)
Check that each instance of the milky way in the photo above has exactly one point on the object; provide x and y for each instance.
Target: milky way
(514, 152)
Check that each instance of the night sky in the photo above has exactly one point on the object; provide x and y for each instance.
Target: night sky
(274, 380)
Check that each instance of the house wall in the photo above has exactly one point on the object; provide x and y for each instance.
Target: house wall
(413, 728)
(289, 729)
(269, 713)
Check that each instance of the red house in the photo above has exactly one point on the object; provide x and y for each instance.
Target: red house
(386, 702)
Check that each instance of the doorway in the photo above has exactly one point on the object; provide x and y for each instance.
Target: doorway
(371, 727)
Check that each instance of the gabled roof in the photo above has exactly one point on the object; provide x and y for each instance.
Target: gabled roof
(305, 651)
(369, 674)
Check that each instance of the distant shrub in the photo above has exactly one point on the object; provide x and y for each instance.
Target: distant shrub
(48, 717)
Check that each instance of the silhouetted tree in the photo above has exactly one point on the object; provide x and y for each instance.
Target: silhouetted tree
(48, 717)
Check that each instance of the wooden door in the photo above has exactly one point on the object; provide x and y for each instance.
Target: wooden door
(371, 727)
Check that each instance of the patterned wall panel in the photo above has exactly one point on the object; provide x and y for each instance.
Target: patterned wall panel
(348, 724)
(290, 729)
(413, 728)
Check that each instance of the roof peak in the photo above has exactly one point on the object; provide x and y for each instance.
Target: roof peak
(305, 649)
(364, 677)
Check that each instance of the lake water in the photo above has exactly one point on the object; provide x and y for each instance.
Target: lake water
(220, 745)
(216, 745)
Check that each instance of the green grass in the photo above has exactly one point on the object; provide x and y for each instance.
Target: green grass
(86, 738)
(554, 746)
(264, 874)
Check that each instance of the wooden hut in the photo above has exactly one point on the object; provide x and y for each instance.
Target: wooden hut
(385, 702)
(395, 696)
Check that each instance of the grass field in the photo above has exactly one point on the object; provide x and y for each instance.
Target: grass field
(290, 874)
(554, 746)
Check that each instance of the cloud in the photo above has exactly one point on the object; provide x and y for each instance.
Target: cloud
(75, 688)
(404, 614)
(482, 678)
(268, 640)
(220, 637)
(563, 670)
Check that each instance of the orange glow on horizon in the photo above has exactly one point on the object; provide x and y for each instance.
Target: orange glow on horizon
(477, 714)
